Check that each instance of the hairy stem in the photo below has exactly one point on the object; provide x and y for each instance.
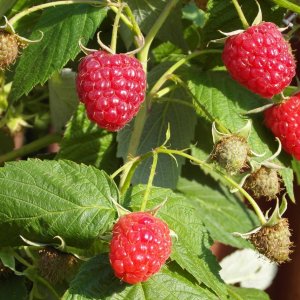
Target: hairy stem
(30, 10)
(150, 181)
(231, 182)
(31, 147)
(177, 65)
(140, 119)
(114, 36)
(240, 13)
(22, 260)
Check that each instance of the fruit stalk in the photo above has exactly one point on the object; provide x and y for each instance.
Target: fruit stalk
(241, 14)
(150, 181)
(140, 119)
(32, 147)
(114, 36)
(231, 182)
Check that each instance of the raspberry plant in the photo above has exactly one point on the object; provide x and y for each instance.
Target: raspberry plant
(158, 162)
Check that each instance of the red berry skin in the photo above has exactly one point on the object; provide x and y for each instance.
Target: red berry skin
(284, 122)
(112, 87)
(140, 245)
(260, 59)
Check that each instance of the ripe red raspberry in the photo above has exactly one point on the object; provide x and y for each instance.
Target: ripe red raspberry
(140, 245)
(112, 87)
(284, 122)
(9, 49)
(260, 59)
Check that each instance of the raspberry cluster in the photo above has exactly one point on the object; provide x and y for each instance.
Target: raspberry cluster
(112, 87)
(260, 59)
(140, 245)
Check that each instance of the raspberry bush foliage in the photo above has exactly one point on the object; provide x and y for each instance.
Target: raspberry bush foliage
(139, 137)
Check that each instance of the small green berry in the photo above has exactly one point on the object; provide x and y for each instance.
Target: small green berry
(231, 153)
(263, 183)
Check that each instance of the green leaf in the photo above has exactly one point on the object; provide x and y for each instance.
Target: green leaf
(287, 175)
(84, 142)
(43, 199)
(95, 280)
(193, 13)
(191, 250)
(220, 211)
(147, 12)
(167, 52)
(5, 5)
(182, 120)
(7, 258)
(13, 288)
(63, 98)
(296, 168)
(226, 101)
(222, 15)
(63, 27)
(246, 294)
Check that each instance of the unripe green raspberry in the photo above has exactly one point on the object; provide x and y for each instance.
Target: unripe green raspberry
(263, 183)
(231, 153)
(56, 266)
(274, 241)
(8, 49)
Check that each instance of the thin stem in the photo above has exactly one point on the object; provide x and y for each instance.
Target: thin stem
(128, 174)
(32, 147)
(30, 10)
(177, 65)
(140, 119)
(241, 14)
(135, 26)
(150, 181)
(143, 55)
(125, 20)
(114, 36)
(165, 91)
(125, 166)
(22, 260)
(256, 208)
(199, 106)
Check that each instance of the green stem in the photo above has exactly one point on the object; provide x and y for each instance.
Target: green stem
(241, 14)
(140, 119)
(231, 182)
(177, 65)
(198, 105)
(143, 55)
(150, 181)
(22, 260)
(30, 10)
(32, 147)
(128, 174)
(165, 91)
(114, 36)
(125, 20)
(134, 25)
